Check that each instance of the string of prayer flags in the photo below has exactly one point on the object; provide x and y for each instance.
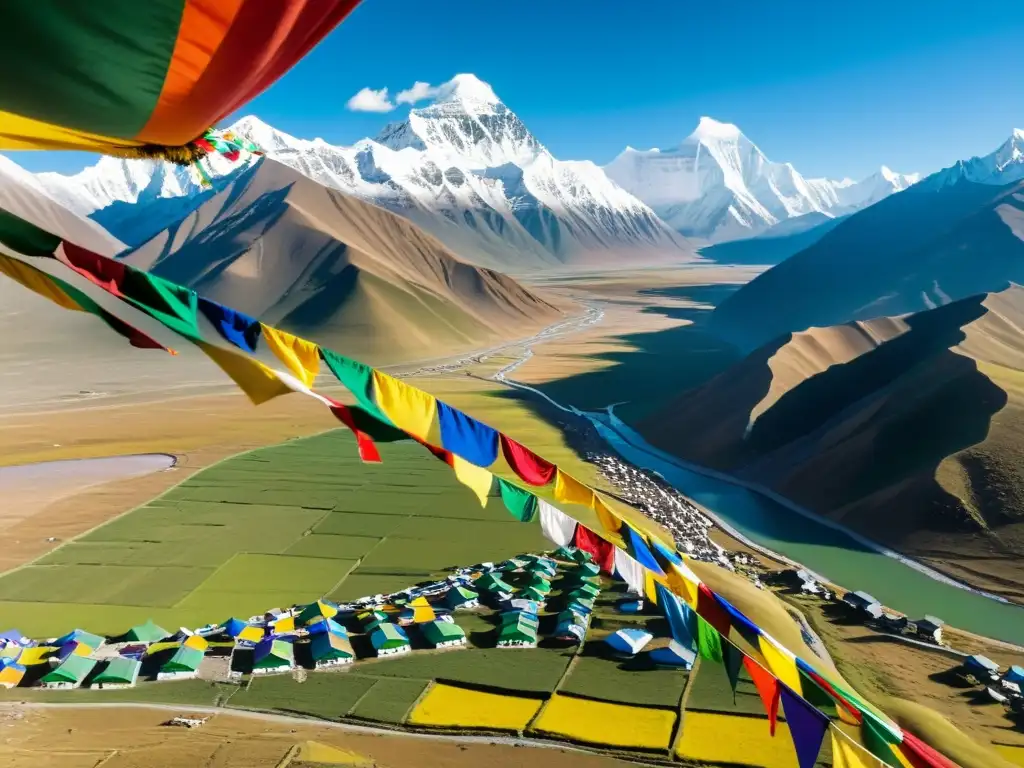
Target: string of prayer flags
(530, 467)
(558, 527)
(464, 436)
(522, 504)
(299, 356)
(630, 571)
(920, 755)
(367, 449)
(256, 380)
(712, 611)
(846, 754)
(410, 409)
(807, 726)
(640, 552)
(733, 659)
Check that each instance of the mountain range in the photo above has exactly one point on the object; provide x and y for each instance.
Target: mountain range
(954, 234)
(718, 186)
(466, 169)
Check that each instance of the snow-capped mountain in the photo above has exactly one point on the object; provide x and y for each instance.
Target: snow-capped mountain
(465, 168)
(717, 185)
(1004, 166)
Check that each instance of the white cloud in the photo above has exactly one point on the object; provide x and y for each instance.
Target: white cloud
(418, 92)
(369, 100)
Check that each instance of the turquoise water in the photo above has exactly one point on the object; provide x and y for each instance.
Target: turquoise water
(829, 552)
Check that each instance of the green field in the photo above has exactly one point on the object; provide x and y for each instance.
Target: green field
(269, 528)
(710, 692)
(389, 700)
(531, 670)
(327, 695)
(606, 679)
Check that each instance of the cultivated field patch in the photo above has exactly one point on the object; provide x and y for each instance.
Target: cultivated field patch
(533, 670)
(735, 740)
(603, 723)
(447, 706)
(328, 695)
(611, 680)
(389, 700)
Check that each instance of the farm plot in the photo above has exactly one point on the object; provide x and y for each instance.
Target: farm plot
(533, 670)
(327, 695)
(605, 724)
(734, 740)
(607, 680)
(389, 700)
(447, 706)
(710, 692)
(275, 526)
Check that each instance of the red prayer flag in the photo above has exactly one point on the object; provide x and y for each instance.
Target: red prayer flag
(602, 551)
(767, 688)
(709, 609)
(108, 274)
(527, 464)
(367, 449)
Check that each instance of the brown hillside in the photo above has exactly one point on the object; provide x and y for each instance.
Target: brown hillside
(910, 430)
(322, 264)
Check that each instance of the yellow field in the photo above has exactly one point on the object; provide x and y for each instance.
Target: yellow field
(446, 706)
(1014, 754)
(613, 725)
(718, 738)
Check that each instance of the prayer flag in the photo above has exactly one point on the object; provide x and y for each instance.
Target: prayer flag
(464, 436)
(733, 658)
(569, 490)
(522, 504)
(298, 355)
(258, 381)
(558, 527)
(712, 611)
(638, 548)
(527, 464)
(845, 754)
(630, 571)
(238, 328)
(602, 551)
(357, 378)
(807, 727)
(767, 688)
(781, 663)
(709, 642)
(477, 479)
(408, 408)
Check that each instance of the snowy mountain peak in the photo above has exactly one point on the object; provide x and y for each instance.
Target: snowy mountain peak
(710, 129)
(264, 136)
(468, 88)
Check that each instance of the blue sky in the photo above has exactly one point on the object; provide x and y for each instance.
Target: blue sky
(911, 84)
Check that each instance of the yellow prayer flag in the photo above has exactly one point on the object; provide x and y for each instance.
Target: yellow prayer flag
(611, 523)
(301, 357)
(781, 665)
(571, 491)
(846, 755)
(253, 377)
(410, 409)
(37, 281)
(680, 585)
(477, 479)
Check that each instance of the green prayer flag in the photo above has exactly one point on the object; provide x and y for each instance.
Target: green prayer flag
(709, 642)
(816, 695)
(25, 238)
(522, 504)
(733, 658)
(176, 306)
(357, 378)
(879, 740)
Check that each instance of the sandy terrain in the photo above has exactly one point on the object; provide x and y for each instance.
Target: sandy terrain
(135, 738)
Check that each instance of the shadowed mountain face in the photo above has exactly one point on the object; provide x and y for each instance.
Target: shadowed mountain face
(328, 266)
(924, 247)
(907, 429)
(775, 245)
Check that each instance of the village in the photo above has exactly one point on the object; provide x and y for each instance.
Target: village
(516, 594)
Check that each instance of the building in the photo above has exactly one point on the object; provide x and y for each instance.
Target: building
(282, 625)
(330, 649)
(515, 617)
(1014, 675)
(71, 649)
(443, 634)
(585, 591)
(493, 584)
(273, 655)
(327, 626)
(628, 642)
(892, 622)
(981, 667)
(239, 630)
(587, 568)
(571, 627)
(862, 602)
(532, 594)
(145, 633)
(519, 632)
(69, 674)
(543, 586)
(389, 639)
(198, 642)
(460, 597)
(316, 611)
(370, 620)
(11, 673)
(120, 672)
(673, 656)
(183, 665)
(417, 611)
(87, 639)
(929, 628)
